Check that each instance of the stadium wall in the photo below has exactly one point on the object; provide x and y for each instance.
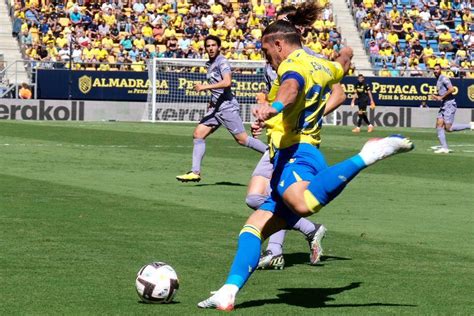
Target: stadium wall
(56, 110)
(177, 87)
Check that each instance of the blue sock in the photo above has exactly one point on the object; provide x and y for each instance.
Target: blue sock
(247, 256)
(327, 184)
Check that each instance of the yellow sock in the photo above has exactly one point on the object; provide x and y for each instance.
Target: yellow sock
(312, 202)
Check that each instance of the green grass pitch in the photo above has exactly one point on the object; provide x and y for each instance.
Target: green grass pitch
(84, 205)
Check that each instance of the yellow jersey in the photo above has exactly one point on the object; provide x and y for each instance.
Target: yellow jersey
(301, 121)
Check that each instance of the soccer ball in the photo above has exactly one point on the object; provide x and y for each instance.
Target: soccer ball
(157, 282)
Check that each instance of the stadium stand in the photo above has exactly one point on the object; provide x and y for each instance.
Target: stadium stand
(407, 37)
(117, 35)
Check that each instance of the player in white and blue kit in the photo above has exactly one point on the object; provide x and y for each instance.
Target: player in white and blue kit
(223, 109)
(447, 111)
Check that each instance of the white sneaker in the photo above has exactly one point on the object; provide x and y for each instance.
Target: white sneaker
(221, 300)
(442, 151)
(315, 245)
(380, 148)
(472, 125)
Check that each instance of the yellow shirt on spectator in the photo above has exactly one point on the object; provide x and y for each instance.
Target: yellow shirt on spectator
(428, 51)
(103, 67)
(393, 14)
(329, 24)
(107, 42)
(447, 73)
(109, 19)
(386, 51)
(318, 25)
(60, 42)
(197, 44)
(413, 13)
(316, 47)
(32, 4)
(392, 38)
(34, 34)
(460, 29)
(323, 3)
(443, 62)
(259, 10)
(216, 8)
(324, 36)
(139, 43)
(24, 27)
(213, 31)
(445, 5)
(183, 7)
(64, 21)
(147, 31)
(32, 53)
(88, 53)
(365, 25)
(445, 38)
(69, 5)
(368, 4)
(410, 37)
(143, 18)
(169, 32)
(178, 21)
(150, 6)
(52, 51)
(431, 62)
(256, 33)
(254, 55)
(236, 33)
(467, 17)
(226, 44)
(385, 73)
(253, 21)
(222, 33)
(407, 25)
(328, 52)
(138, 66)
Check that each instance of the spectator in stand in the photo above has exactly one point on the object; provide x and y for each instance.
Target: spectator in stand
(417, 49)
(25, 91)
(75, 16)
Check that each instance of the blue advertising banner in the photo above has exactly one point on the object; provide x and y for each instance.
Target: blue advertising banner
(178, 87)
(403, 91)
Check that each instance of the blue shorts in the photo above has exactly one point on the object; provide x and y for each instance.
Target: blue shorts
(300, 162)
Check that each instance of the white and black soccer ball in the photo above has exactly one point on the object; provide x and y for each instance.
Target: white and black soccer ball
(157, 282)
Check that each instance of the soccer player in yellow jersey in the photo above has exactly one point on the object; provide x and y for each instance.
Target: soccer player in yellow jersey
(302, 182)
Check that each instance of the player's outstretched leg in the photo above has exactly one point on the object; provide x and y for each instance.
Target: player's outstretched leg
(330, 182)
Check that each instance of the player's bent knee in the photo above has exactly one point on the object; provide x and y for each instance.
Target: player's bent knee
(254, 201)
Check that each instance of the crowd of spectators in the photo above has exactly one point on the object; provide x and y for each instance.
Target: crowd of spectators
(117, 35)
(409, 37)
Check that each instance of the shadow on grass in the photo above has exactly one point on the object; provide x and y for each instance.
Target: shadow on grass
(313, 298)
(223, 183)
(292, 259)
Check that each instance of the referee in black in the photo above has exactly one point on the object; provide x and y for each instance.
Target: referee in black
(363, 96)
